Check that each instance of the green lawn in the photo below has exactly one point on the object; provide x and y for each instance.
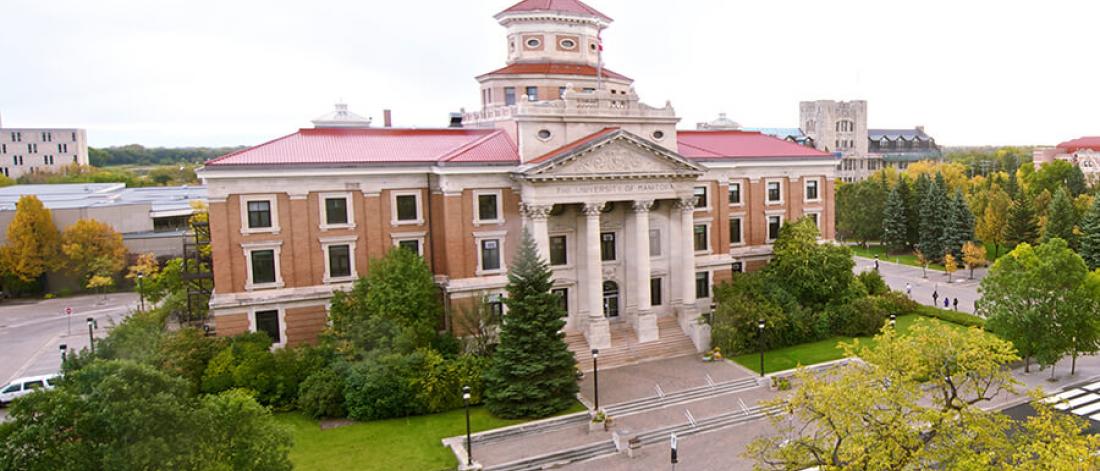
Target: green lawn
(396, 444)
(911, 260)
(817, 352)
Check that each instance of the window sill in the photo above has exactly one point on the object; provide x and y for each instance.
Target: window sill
(339, 280)
(775, 203)
(337, 227)
(416, 222)
(263, 286)
(818, 200)
(481, 272)
(488, 222)
(272, 231)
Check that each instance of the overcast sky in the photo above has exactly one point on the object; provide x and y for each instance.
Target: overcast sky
(229, 72)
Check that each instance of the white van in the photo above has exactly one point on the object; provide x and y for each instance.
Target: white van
(22, 386)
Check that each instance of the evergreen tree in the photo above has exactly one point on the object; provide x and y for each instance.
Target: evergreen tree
(532, 374)
(1061, 220)
(1013, 186)
(916, 202)
(960, 228)
(935, 213)
(1023, 224)
(1090, 238)
(1075, 182)
(895, 227)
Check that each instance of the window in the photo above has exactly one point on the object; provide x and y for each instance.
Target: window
(700, 237)
(410, 244)
(490, 254)
(13, 388)
(339, 261)
(532, 93)
(815, 217)
(496, 305)
(336, 211)
(735, 231)
(268, 323)
(700, 197)
(561, 92)
(735, 193)
(3, 148)
(17, 137)
(658, 135)
(774, 193)
(654, 242)
(563, 298)
(259, 214)
(702, 284)
(568, 44)
(558, 254)
(533, 43)
(407, 207)
(774, 223)
(655, 292)
(488, 207)
(812, 190)
(263, 266)
(509, 96)
(607, 246)
(544, 134)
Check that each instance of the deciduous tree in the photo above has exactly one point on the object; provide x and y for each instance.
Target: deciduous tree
(974, 256)
(93, 248)
(33, 242)
(532, 372)
(992, 226)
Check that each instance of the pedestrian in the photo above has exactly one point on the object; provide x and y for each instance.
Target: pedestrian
(935, 297)
(945, 299)
(955, 304)
(876, 263)
(909, 289)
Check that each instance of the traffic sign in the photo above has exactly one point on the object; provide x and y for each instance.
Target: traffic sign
(68, 310)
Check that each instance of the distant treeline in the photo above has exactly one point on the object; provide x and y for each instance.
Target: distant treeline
(135, 154)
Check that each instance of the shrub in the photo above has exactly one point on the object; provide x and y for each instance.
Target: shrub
(863, 316)
(186, 352)
(960, 318)
(897, 304)
(322, 394)
(137, 338)
(384, 386)
(873, 282)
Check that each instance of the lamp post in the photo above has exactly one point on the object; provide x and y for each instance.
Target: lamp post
(596, 376)
(893, 320)
(760, 339)
(91, 337)
(63, 348)
(469, 444)
(141, 291)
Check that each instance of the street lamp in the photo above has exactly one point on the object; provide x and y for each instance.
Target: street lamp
(91, 337)
(596, 376)
(893, 320)
(760, 339)
(63, 348)
(141, 292)
(469, 444)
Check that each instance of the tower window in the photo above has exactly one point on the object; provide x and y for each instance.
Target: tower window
(544, 134)
(532, 93)
(568, 44)
(533, 43)
(509, 96)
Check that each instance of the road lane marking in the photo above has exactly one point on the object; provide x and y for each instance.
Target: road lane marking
(33, 358)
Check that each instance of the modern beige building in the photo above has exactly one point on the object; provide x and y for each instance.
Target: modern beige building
(637, 219)
(30, 150)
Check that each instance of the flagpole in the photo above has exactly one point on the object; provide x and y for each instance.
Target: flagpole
(599, 59)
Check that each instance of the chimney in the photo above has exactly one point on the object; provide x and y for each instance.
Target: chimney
(387, 118)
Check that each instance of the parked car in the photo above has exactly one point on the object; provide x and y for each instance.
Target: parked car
(22, 386)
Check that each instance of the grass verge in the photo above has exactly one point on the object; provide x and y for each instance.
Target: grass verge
(412, 443)
(828, 350)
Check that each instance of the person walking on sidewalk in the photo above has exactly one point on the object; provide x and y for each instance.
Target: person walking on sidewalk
(935, 296)
(955, 304)
(909, 289)
(876, 263)
(945, 299)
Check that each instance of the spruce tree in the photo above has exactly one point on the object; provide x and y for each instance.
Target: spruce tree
(1062, 218)
(1090, 237)
(1013, 186)
(532, 372)
(1023, 224)
(916, 202)
(935, 213)
(1075, 182)
(895, 228)
(960, 229)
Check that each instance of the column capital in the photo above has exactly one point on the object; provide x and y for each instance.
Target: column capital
(686, 205)
(593, 209)
(536, 211)
(643, 206)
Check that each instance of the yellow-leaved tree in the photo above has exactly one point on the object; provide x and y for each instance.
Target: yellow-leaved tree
(949, 265)
(33, 241)
(92, 248)
(974, 256)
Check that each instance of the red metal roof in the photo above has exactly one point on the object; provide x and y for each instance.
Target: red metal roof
(1088, 142)
(573, 145)
(366, 146)
(557, 6)
(554, 68)
(704, 145)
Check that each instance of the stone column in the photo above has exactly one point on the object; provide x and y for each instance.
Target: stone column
(645, 325)
(687, 251)
(537, 216)
(597, 329)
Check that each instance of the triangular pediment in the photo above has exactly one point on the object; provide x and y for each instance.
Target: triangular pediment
(619, 154)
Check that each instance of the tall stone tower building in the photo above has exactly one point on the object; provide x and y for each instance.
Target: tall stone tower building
(840, 127)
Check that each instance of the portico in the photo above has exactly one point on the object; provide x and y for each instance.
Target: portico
(607, 190)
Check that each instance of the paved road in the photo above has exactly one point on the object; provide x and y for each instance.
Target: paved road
(896, 276)
(32, 331)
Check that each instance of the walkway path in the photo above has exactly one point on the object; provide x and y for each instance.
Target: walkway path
(896, 275)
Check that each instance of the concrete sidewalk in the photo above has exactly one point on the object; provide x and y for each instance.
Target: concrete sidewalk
(897, 275)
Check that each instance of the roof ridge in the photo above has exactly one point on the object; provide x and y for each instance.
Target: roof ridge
(462, 149)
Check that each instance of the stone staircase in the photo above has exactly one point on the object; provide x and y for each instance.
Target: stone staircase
(625, 348)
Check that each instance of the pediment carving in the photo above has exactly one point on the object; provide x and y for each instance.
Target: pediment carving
(616, 158)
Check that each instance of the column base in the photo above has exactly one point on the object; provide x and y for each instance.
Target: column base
(598, 333)
(646, 327)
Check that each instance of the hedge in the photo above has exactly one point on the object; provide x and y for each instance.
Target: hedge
(960, 318)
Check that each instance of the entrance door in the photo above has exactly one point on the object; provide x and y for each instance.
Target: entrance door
(610, 299)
